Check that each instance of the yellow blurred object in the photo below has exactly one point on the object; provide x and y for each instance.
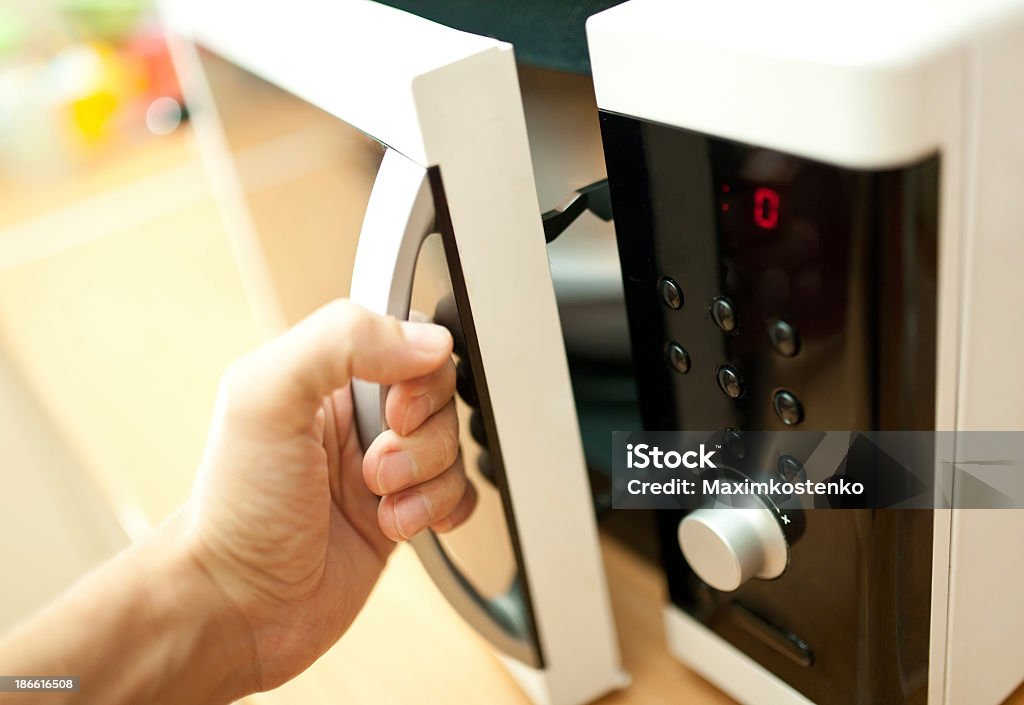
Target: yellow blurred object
(96, 83)
(93, 114)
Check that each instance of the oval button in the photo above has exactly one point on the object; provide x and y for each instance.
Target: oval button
(788, 408)
(671, 294)
(784, 338)
(791, 469)
(723, 313)
(730, 382)
(677, 358)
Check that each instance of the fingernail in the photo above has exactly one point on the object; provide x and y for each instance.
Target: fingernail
(417, 411)
(412, 514)
(395, 470)
(427, 337)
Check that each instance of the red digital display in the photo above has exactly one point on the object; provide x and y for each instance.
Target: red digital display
(766, 208)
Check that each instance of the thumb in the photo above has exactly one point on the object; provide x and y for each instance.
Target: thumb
(290, 376)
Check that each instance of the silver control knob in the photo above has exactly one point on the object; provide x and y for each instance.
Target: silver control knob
(727, 546)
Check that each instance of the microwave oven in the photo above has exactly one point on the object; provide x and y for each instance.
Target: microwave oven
(817, 224)
(888, 131)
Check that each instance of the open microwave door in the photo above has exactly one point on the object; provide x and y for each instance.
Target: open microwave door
(454, 186)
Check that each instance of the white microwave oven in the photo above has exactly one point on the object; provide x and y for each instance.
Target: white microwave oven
(815, 210)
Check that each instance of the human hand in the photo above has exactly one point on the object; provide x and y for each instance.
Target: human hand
(289, 518)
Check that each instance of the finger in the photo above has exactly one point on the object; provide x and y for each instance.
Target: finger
(348, 490)
(412, 402)
(290, 375)
(393, 462)
(462, 511)
(404, 514)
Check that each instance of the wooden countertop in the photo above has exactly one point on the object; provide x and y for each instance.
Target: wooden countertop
(408, 646)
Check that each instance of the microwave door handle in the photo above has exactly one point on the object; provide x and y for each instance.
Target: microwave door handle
(399, 216)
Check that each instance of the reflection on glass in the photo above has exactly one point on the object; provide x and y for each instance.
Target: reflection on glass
(481, 548)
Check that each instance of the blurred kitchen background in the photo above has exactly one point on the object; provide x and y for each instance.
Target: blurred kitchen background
(102, 211)
(142, 248)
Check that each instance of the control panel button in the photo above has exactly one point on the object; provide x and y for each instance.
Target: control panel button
(727, 546)
(786, 643)
(724, 314)
(677, 358)
(730, 381)
(732, 439)
(784, 338)
(791, 469)
(671, 294)
(788, 408)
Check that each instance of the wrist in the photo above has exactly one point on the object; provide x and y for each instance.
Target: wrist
(150, 626)
(209, 640)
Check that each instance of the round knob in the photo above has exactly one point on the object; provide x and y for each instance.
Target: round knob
(727, 546)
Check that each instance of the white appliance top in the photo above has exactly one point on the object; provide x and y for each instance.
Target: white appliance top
(863, 85)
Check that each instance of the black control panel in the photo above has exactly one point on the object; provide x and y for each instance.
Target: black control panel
(769, 292)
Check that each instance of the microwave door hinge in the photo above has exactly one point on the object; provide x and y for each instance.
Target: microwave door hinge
(594, 198)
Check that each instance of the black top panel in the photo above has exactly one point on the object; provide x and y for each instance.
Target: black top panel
(547, 33)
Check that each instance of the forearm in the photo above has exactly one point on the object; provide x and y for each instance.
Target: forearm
(147, 627)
